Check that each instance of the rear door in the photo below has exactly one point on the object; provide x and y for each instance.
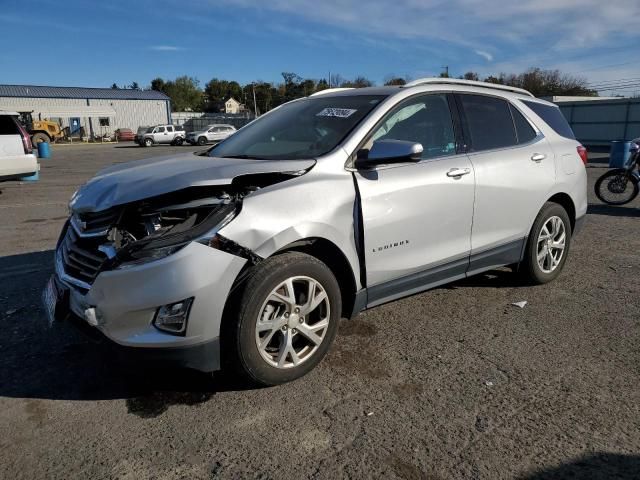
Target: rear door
(416, 216)
(515, 170)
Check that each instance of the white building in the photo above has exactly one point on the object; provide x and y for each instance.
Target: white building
(233, 106)
(96, 110)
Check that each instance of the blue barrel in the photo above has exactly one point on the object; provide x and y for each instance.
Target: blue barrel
(619, 154)
(43, 150)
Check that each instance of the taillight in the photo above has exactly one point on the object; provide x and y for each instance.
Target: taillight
(26, 139)
(582, 151)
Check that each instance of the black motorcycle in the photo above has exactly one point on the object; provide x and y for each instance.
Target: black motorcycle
(621, 185)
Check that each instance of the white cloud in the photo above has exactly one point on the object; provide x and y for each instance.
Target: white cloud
(486, 55)
(165, 48)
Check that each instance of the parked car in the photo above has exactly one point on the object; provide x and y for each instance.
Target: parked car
(248, 255)
(124, 135)
(139, 133)
(213, 133)
(162, 134)
(16, 151)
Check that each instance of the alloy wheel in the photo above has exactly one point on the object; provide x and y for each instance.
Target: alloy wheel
(293, 322)
(551, 244)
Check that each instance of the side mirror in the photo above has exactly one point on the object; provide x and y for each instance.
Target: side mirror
(634, 147)
(389, 151)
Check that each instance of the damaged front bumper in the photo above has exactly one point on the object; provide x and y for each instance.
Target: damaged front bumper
(122, 304)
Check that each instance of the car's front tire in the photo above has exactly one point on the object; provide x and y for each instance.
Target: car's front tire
(202, 141)
(147, 142)
(547, 246)
(283, 320)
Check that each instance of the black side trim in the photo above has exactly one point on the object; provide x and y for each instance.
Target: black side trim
(359, 303)
(358, 232)
(417, 282)
(496, 257)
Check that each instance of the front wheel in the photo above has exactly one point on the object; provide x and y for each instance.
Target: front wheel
(202, 141)
(148, 142)
(547, 246)
(284, 319)
(178, 141)
(617, 187)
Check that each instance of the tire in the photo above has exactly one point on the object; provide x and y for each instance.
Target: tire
(202, 141)
(244, 325)
(147, 142)
(537, 272)
(40, 137)
(606, 186)
(178, 141)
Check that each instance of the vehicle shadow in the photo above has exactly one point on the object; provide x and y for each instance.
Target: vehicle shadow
(614, 211)
(502, 278)
(58, 362)
(597, 466)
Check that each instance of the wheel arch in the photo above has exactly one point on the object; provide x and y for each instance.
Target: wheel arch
(566, 202)
(330, 254)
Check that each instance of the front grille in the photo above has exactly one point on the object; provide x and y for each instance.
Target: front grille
(81, 257)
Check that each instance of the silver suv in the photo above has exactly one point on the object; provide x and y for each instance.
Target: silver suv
(213, 133)
(162, 134)
(248, 257)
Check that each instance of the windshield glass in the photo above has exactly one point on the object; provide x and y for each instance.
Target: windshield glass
(150, 129)
(302, 129)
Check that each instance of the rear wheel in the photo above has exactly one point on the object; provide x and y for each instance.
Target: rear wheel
(178, 141)
(147, 142)
(284, 320)
(202, 141)
(617, 187)
(547, 246)
(40, 138)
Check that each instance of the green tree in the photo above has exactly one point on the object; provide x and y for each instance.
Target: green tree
(157, 84)
(184, 93)
(134, 86)
(115, 86)
(395, 81)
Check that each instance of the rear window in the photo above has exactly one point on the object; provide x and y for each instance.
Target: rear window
(552, 117)
(524, 130)
(8, 126)
(488, 122)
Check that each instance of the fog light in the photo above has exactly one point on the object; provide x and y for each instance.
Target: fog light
(172, 318)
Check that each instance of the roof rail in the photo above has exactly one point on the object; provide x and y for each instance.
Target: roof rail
(471, 83)
(330, 90)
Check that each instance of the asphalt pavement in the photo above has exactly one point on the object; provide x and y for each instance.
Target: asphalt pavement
(452, 383)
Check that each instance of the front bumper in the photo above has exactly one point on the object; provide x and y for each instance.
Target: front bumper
(124, 302)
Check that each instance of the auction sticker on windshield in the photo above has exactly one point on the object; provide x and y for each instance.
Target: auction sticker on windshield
(336, 112)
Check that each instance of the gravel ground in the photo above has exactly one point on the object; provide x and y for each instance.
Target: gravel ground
(451, 383)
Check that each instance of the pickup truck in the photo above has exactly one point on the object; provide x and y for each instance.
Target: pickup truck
(162, 134)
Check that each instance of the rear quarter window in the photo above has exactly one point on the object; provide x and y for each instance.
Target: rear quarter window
(553, 117)
(523, 129)
(8, 126)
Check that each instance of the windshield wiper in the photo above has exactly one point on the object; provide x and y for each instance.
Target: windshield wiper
(244, 157)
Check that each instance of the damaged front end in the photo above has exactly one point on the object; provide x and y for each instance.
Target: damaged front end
(148, 230)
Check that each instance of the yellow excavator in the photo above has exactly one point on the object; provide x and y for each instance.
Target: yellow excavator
(42, 130)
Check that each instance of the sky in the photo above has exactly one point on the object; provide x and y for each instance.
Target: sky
(96, 43)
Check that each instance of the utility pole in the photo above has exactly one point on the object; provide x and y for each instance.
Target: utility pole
(446, 70)
(329, 78)
(255, 105)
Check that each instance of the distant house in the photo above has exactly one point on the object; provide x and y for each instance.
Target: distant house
(233, 106)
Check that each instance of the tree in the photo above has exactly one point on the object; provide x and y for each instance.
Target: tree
(218, 91)
(184, 93)
(115, 86)
(134, 86)
(358, 82)
(471, 76)
(545, 82)
(157, 84)
(395, 81)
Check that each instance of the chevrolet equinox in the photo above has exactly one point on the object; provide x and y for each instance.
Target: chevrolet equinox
(246, 256)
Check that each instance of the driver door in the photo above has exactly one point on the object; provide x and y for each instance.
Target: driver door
(417, 215)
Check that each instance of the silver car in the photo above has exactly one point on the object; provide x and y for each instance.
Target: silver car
(248, 257)
(213, 133)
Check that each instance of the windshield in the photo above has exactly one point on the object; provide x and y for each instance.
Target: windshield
(302, 129)
(150, 129)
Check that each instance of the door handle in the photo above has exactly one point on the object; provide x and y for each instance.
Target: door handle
(458, 172)
(538, 157)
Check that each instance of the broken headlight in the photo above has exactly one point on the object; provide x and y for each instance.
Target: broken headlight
(158, 234)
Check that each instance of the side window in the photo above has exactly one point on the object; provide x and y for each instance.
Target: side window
(488, 122)
(552, 117)
(8, 126)
(160, 130)
(169, 129)
(425, 120)
(524, 131)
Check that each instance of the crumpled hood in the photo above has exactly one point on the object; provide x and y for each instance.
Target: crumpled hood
(137, 180)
